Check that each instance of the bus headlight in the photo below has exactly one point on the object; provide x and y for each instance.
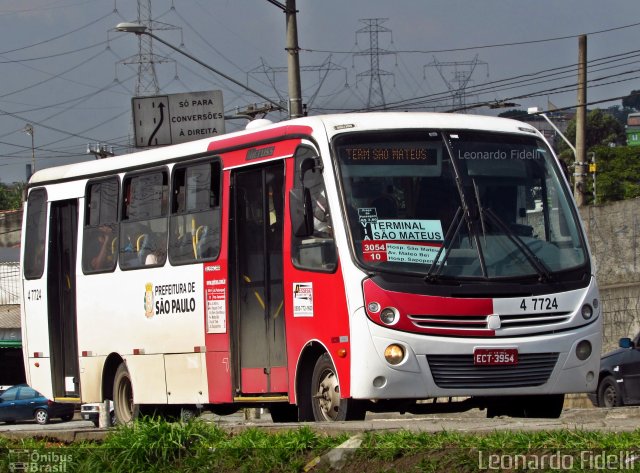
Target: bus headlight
(389, 315)
(583, 350)
(587, 312)
(373, 307)
(394, 354)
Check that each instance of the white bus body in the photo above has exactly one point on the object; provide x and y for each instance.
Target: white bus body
(445, 258)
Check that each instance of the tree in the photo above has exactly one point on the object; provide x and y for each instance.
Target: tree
(11, 196)
(602, 129)
(632, 100)
(515, 113)
(618, 176)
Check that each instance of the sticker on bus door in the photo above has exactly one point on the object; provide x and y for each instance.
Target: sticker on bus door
(215, 292)
(302, 299)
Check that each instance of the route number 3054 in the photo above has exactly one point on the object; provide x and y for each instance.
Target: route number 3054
(539, 303)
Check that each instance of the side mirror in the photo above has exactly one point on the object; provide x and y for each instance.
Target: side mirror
(625, 343)
(300, 211)
(306, 164)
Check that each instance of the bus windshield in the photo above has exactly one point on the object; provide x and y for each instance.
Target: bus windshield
(463, 204)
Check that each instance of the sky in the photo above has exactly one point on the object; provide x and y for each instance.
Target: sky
(68, 73)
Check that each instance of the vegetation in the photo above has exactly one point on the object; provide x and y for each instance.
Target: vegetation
(602, 129)
(632, 100)
(11, 196)
(155, 445)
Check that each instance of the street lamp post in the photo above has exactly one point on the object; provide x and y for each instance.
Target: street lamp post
(577, 193)
(28, 129)
(139, 29)
(537, 111)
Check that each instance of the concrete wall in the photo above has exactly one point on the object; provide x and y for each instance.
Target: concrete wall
(613, 230)
(10, 226)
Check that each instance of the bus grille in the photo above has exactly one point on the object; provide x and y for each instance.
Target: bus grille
(459, 372)
(462, 322)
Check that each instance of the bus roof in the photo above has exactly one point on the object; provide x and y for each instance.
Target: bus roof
(324, 124)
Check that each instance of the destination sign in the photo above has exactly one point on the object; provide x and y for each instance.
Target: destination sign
(390, 153)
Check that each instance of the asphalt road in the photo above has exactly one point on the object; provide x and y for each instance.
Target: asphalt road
(619, 419)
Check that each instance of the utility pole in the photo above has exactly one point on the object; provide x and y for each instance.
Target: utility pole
(581, 123)
(293, 56)
(293, 62)
(28, 129)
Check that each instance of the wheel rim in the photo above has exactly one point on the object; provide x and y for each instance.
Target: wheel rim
(124, 401)
(328, 395)
(610, 396)
(41, 417)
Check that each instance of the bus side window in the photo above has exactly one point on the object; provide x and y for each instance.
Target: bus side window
(143, 227)
(99, 241)
(35, 238)
(194, 222)
(317, 251)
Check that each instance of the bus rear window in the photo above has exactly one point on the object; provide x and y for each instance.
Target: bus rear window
(36, 231)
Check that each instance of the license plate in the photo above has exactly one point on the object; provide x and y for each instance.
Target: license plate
(495, 356)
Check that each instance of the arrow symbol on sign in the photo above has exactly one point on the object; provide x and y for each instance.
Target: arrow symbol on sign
(161, 107)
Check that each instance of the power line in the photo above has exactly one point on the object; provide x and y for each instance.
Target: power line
(497, 45)
(39, 43)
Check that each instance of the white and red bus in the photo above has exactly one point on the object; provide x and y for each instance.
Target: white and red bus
(320, 267)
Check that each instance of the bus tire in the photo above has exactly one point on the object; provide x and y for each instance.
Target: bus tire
(124, 408)
(325, 395)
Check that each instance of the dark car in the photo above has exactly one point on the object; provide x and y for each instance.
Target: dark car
(619, 383)
(22, 402)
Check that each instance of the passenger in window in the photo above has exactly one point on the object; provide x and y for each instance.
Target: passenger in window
(148, 252)
(102, 248)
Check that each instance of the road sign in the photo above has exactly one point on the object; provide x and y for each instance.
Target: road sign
(169, 119)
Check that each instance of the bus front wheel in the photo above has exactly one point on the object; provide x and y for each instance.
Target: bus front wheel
(124, 408)
(325, 395)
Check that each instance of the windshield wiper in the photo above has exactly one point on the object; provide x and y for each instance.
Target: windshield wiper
(536, 263)
(431, 276)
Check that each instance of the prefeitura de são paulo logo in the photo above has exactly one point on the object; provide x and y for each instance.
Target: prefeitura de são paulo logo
(148, 300)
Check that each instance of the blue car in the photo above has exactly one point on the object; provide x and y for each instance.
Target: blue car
(21, 402)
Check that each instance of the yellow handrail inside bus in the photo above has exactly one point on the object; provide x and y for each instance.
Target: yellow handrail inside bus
(197, 239)
(114, 245)
(260, 301)
(138, 242)
(194, 241)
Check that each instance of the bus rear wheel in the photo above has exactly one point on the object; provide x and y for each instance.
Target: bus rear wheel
(325, 395)
(124, 408)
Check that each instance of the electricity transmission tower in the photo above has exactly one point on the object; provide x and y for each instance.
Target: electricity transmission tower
(146, 60)
(462, 72)
(322, 69)
(376, 92)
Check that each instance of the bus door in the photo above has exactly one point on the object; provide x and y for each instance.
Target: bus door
(256, 272)
(61, 290)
